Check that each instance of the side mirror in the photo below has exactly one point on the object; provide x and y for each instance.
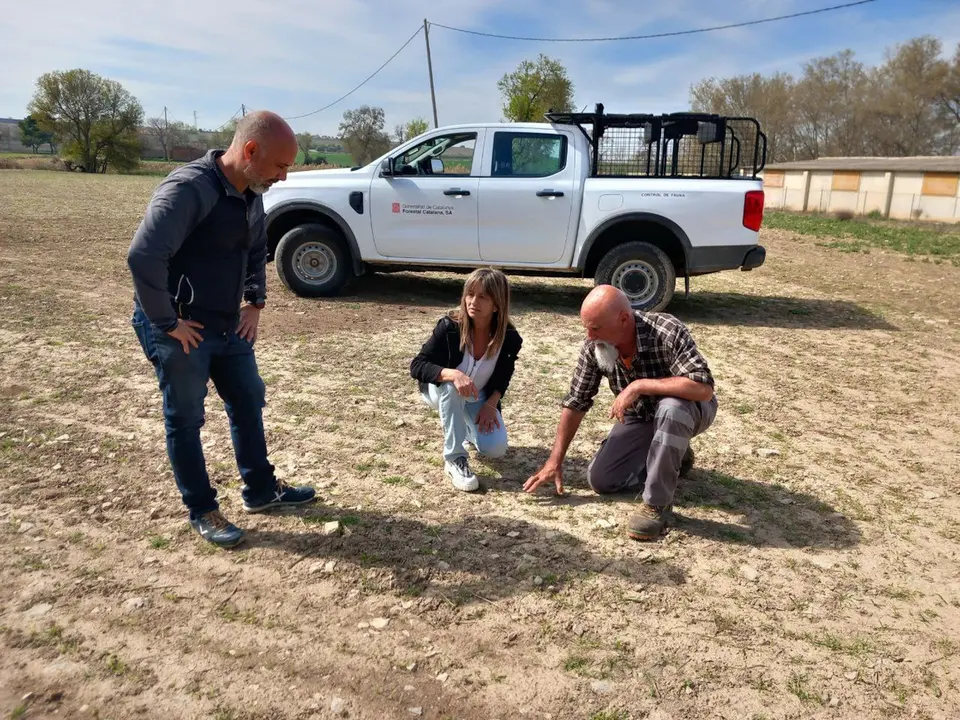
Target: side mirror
(386, 167)
(436, 166)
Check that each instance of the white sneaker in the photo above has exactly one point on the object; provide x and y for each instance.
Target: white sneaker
(461, 474)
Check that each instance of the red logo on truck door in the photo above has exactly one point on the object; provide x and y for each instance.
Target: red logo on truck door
(396, 207)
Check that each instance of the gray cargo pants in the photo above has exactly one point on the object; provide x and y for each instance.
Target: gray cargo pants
(654, 449)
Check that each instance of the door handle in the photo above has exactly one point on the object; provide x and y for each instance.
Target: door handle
(457, 192)
(550, 193)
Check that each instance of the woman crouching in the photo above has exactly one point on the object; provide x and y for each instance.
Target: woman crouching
(464, 370)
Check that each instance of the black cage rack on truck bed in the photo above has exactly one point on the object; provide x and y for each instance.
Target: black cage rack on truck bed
(677, 145)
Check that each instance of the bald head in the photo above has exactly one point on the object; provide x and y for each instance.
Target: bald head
(607, 316)
(263, 127)
(605, 300)
(263, 149)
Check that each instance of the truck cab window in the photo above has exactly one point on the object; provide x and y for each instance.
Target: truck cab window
(454, 153)
(528, 154)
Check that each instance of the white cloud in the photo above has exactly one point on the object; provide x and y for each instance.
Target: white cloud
(297, 55)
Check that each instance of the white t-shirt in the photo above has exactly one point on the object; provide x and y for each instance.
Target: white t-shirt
(478, 370)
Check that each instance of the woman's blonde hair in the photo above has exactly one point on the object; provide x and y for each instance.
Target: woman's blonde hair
(494, 283)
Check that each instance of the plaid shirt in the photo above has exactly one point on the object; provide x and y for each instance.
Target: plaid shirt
(665, 348)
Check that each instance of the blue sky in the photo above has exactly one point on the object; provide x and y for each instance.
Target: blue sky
(294, 56)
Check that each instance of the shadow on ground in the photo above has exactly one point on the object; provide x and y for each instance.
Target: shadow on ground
(564, 298)
(717, 308)
(485, 557)
(769, 515)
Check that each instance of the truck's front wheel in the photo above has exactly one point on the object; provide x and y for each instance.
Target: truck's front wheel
(312, 260)
(642, 271)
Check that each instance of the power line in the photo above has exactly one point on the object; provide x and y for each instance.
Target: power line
(368, 79)
(237, 112)
(658, 35)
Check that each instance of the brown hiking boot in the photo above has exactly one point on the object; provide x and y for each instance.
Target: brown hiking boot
(650, 522)
(686, 465)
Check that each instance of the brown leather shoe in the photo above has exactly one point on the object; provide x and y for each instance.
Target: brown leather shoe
(650, 522)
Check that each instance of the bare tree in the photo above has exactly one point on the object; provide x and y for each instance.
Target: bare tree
(168, 134)
(949, 97)
(753, 96)
(908, 105)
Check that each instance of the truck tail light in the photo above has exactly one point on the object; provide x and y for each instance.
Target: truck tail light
(753, 210)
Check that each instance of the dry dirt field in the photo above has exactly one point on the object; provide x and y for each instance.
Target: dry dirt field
(814, 571)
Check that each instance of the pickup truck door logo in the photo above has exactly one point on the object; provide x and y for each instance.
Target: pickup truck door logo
(396, 208)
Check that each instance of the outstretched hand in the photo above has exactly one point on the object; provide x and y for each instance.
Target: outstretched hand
(548, 473)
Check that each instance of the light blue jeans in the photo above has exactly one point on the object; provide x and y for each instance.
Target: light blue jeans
(458, 417)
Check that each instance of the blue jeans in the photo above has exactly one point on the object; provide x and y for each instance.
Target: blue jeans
(458, 417)
(228, 360)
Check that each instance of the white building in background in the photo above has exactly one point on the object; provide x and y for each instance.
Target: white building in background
(920, 188)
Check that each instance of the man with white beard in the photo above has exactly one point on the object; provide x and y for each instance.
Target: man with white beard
(664, 397)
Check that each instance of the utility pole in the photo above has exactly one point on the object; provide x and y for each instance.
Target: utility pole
(433, 94)
(165, 123)
(194, 119)
(243, 109)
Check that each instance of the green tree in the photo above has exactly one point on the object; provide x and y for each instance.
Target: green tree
(415, 127)
(305, 141)
(361, 131)
(96, 118)
(33, 136)
(535, 88)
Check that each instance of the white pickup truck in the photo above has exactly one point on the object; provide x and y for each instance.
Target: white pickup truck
(634, 201)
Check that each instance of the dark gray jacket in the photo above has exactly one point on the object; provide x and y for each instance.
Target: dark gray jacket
(201, 248)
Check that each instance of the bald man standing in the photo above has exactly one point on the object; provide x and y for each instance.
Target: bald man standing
(198, 265)
(664, 397)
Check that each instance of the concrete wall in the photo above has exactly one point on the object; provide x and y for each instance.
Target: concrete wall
(907, 194)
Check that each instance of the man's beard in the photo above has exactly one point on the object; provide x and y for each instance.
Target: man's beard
(606, 356)
(257, 184)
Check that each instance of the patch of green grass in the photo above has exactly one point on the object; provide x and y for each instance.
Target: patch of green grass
(762, 684)
(610, 715)
(857, 646)
(19, 711)
(158, 542)
(898, 593)
(733, 535)
(946, 646)
(798, 686)
(350, 520)
(31, 563)
(860, 234)
(576, 664)
(231, 613)
(116, 666)
(396, 480)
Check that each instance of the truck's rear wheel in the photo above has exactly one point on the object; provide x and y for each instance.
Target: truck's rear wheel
(312, 260)
(642, 271)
